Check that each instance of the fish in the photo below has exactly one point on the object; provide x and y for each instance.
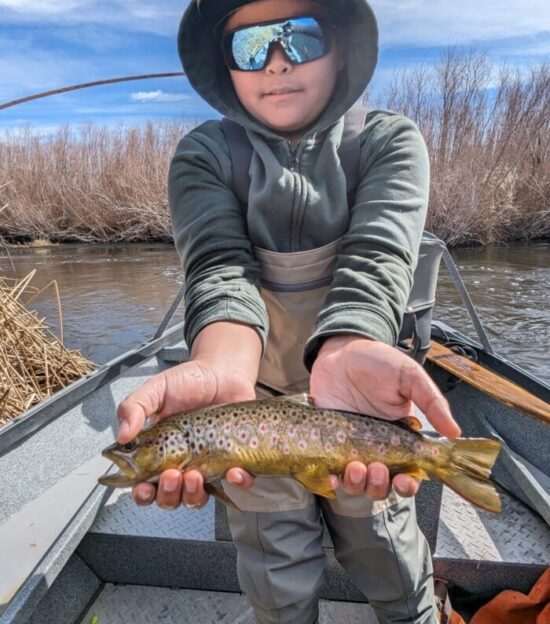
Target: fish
(289, 436)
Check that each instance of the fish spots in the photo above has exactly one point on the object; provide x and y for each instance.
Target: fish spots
(341, 436)
(291, 431)
(243, 435)
(220, 443)
(367, 437)
(254, 443)
(302, 445)
(434, 451)
(354, 452)
(228, 445)
(395, 440)
(417, 446)
(286, 449)
(274, 438)
(328, 447)
(227, 429)
(382, 449)
(263, 428)
(315, 434)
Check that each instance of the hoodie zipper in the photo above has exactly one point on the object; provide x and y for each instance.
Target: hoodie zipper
(298, 200)
(293, 155)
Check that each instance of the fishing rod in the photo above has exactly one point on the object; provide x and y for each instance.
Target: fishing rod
(86, 85)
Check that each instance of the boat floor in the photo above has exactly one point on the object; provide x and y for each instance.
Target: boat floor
(126, 545)
(120, 604)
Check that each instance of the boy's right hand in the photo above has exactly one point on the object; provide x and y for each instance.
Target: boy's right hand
(187, 386)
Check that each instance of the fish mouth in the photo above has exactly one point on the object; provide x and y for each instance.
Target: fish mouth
(128, 469)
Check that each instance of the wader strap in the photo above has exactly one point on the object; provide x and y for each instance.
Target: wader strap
(349, 152)
(241, 154)
(350, 148)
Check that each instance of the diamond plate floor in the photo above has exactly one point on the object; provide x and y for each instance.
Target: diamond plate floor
(466, 532)
(121, 516)
(134, 604)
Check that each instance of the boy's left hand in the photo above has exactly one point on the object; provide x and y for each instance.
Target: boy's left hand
(369, 377)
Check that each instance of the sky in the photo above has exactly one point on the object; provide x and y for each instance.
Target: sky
(47, 44)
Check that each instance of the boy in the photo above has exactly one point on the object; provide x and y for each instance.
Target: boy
(299, 281)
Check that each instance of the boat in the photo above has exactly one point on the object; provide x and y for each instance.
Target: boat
(74, 551)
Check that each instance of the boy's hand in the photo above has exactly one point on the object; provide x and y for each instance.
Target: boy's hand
(369, 377)
(186, 386)
(210, 377)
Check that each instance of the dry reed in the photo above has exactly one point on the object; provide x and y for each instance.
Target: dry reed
(488, 138)
(34, 363)
(489, 142)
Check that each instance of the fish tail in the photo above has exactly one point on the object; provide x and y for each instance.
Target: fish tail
(466, 468)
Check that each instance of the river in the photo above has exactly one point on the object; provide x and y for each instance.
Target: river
(114, 296)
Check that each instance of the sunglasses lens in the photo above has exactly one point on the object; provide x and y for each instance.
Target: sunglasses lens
(301, 38)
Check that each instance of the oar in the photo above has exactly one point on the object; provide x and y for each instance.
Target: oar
(489, 382)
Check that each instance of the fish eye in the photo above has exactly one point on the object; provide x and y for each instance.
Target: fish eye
(129, 446)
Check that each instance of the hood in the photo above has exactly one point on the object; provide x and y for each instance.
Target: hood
(201, 56)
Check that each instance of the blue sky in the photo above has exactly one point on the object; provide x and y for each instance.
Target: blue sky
(45, 44)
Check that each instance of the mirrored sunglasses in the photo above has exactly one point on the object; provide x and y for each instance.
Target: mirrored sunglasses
(303, 39)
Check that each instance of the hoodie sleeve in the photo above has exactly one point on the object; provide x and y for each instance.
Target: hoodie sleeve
(379, 252)
(209, 229)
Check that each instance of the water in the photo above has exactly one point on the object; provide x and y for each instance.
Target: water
(113, 297)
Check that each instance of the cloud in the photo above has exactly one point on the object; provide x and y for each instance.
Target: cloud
(134, 15)
(158, 96)
(43, 7)
(402, 22)
(420, 22)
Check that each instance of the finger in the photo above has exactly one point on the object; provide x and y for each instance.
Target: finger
(169, 489)
(137, 406)
(240, 478)
(378, 481)
(194, 495)
(355, 478)
(405, 485)
(144, 493)
(418, 386)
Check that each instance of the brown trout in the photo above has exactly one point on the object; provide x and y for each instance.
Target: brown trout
(287, 436)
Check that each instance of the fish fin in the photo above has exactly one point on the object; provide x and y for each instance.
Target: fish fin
(214, 488)
(316, 478)
(466, 468)
(411, 422)
(194, 462)
(303, 398)
(417, 473)
(117, 480)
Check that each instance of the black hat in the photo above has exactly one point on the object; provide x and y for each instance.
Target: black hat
(215, 11)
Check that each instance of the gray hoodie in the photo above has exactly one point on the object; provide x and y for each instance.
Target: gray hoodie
(297, 201)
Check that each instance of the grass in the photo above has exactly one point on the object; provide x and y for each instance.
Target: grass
(488, 138)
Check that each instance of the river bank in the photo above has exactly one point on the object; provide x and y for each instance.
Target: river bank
(113, 297)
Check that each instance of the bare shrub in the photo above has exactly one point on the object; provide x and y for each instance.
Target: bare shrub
(91, 185)
(489, 140)
(488, 136)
